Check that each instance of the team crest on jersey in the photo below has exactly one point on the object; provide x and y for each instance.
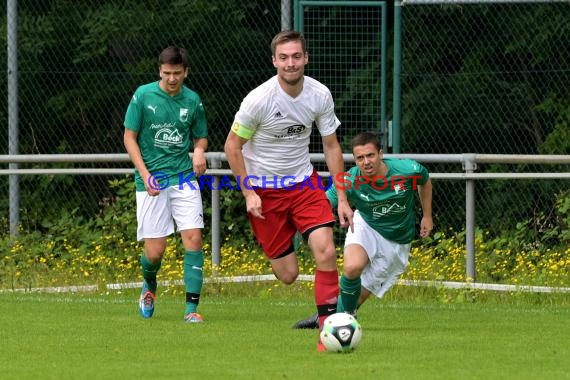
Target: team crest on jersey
(183, 114)
(399, 187)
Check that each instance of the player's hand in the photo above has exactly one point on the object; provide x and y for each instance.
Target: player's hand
(426, 226)
(253, 205)
(199, 162)
(345, 215)
(151, 185)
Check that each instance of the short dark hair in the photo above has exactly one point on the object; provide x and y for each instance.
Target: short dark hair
(173, 55)
(366, 138)
(288, 36)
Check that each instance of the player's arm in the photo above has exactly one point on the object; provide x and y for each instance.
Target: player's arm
(199, 138)
(236, 139)
(199, 155)
(233, 147)
(133, 149)
(331, 195)
(425, 193)
(335, 164)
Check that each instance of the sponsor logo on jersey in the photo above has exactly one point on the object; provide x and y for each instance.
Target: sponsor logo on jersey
(291, 131)
(385, 209)
(167, 137)
(163, 126)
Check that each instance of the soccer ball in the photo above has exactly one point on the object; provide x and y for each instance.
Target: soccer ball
(341, 333)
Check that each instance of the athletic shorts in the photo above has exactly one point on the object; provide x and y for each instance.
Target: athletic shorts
(156, 215)
(287, 211)
(388, 259)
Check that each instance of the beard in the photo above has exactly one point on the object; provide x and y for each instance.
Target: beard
(291, 81)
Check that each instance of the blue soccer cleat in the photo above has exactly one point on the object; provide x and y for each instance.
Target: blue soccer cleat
(146, 302)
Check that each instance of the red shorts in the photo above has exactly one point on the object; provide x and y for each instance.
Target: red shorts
(287, 211)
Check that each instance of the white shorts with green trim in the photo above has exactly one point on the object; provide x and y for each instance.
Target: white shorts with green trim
(387, 259)
(157, 215)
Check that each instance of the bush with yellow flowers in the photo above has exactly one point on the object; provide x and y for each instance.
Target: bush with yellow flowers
(103, 250)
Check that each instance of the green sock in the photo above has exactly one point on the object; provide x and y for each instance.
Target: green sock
(149, 271)
(349, 293)
(193, 279)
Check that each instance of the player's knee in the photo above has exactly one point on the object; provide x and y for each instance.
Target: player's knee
(154, 256)
(154, 249)
(325, 254)
(352, 271)
(287, 277)
(192, 239)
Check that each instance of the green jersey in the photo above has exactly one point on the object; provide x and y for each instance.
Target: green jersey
(166, 126)
(386, 203)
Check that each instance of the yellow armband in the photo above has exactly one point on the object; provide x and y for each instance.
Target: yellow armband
(242, 131)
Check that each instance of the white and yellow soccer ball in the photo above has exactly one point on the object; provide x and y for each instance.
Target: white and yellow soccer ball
(341, 332)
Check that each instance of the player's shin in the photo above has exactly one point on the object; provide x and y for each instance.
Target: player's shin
(193, 279)
(326, 293)
(149, 271)
(349, 293)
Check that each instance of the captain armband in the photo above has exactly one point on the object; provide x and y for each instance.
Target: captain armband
(242, 131)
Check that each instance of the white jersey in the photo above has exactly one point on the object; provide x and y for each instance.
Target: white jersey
(277, 154)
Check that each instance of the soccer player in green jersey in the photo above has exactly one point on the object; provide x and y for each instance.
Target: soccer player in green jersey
(163, 122)
(382, 191)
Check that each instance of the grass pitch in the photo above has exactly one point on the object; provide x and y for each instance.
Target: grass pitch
(405, 336)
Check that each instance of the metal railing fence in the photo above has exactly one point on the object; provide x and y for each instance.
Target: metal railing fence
(469, 175)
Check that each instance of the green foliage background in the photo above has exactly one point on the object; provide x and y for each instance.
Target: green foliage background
(481, 78)
(102, 250)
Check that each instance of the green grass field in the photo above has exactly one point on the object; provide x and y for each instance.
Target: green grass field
(411, 334)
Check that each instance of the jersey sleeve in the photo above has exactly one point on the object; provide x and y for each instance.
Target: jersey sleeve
(246, 119)
(326, 121)
(422, 172)
(200, 125)
(134, 114)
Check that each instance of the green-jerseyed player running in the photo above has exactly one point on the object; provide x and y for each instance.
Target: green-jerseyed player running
(382, 191)
(163, 122)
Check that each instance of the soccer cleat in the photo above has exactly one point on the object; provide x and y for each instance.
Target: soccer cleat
(146, 302)
(193, 318)
(311, 322)
(320, 346)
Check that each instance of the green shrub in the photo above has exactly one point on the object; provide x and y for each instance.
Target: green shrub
(74, 250)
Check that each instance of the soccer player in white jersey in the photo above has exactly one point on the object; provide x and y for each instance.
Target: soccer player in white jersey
(164, 121)
(382, 191)
(268, 152)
